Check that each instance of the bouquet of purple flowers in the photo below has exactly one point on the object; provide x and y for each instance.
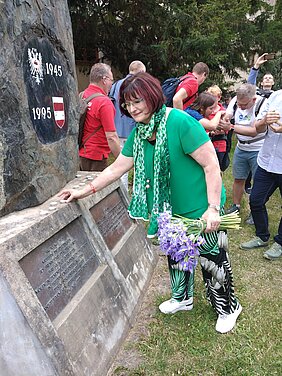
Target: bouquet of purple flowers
(180, 237)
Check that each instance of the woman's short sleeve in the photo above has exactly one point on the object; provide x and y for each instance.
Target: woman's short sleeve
(127, 150)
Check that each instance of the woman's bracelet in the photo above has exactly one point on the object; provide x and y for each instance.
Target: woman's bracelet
(93, 189)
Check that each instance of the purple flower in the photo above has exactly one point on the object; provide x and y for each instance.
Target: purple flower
(163, 219)
(176, 243)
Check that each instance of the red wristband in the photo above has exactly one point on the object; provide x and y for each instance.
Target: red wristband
(93, 189)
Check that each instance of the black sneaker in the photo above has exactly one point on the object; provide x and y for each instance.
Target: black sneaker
(232, 209)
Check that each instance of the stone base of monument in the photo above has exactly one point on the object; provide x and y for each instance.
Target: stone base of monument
(72, 277)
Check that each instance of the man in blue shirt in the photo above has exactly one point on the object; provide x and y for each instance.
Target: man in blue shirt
(123, 123)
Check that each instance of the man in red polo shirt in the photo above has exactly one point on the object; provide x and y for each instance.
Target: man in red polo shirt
(187, 90)
(99, 134)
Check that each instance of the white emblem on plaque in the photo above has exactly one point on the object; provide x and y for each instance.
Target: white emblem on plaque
(35, 63)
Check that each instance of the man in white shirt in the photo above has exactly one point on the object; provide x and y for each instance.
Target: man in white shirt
(245, 104)
(268, 176)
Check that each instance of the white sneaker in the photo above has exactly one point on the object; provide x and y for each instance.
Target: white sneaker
(172, 305)
(226, 322)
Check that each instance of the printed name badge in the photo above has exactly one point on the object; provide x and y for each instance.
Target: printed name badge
(45, 77)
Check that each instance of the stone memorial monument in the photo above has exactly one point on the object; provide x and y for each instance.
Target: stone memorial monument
(38, 101)
(71, 275)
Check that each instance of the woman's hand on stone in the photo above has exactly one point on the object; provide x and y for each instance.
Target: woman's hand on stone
(68, 195)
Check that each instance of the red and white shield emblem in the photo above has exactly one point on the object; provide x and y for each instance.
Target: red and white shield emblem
(59, 111)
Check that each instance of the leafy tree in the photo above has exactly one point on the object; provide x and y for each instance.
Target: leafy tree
(171, 36)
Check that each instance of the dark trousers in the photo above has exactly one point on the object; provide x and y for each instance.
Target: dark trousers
(265, 183)
(86, 164)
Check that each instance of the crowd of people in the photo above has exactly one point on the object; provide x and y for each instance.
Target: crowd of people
(178, 155)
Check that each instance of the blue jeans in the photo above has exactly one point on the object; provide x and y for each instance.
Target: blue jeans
(265, 183)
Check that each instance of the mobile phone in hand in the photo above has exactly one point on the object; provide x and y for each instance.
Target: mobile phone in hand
(270, 56)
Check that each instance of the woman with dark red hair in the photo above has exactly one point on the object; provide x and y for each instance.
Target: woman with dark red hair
(176, 169)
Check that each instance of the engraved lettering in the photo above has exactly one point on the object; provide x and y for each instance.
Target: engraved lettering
(64, 263)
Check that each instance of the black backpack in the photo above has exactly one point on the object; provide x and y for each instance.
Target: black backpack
(226, 160)
(83, 107)
(169, 87)
(264, 93)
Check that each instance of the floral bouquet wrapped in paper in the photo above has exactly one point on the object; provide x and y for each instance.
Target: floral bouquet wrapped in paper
(180, 237)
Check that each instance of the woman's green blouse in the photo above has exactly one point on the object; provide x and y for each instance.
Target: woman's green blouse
(187, 178)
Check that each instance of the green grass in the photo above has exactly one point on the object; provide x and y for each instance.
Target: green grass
(187, 344)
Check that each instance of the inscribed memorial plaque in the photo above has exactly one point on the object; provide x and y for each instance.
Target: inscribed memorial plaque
(112, 219)
(47, 90)
(60, 266)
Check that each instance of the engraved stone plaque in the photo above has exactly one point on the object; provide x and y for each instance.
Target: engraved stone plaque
(47, 90)
(60, 266)
(112, 218)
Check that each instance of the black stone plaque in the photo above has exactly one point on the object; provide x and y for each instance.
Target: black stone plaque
(45, 77)
(59, 267)
(111, 218)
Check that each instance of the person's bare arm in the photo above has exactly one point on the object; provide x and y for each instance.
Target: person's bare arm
(113, 142)
(224, 124)
(213, 124)
(179, 98)
(205, 155)
(261, 125)
(246, 130)
(121, 165)
(260, 60)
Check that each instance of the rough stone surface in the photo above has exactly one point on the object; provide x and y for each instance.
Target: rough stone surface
(33, 361)
(38, 102)
(129, 357)
(73, 293)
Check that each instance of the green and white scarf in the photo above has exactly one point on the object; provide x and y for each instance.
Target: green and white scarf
(138, 207)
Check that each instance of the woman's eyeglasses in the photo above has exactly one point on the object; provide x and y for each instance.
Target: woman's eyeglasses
(135, 104)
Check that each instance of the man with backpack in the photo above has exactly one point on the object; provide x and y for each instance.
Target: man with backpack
(99, 136)
(244, 107)
(124, 124)
(187, 90)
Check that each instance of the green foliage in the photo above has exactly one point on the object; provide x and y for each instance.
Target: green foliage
(171, 36)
